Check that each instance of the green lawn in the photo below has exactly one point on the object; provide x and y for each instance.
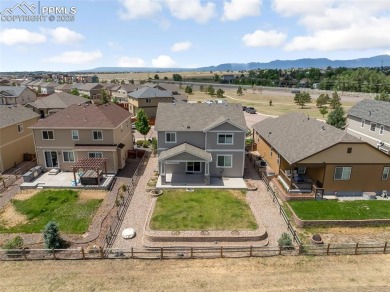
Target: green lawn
(62, 206)
(202, 209)
(333, 210)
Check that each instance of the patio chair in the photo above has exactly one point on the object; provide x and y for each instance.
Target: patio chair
(288, 172)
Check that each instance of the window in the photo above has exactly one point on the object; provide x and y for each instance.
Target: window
(224, 161)
(95, 154)
(226, 139)
(47, 135)
(301, 169)
(148, 100)
(68, 156)
(342, 173)
(381, 129)
(270, 152)
(170, 137)
(363, 122)
(193, 167)
(278, 161)
(385, 174)
(75, 134)
(20, 128)
(372, 127)
(349, 150)
(97, 135)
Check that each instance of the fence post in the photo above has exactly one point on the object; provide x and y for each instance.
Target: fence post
(327, 249)
(132, 253)
(83, 253)
(54, 253)
(356, 248)
(221, 252)
(192, 252)
(250, 251)
(101, 252)
(161, 253)
(300, 249)
(280, 249)
(24, 254)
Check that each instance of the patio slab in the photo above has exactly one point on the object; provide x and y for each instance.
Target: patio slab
(196, 182)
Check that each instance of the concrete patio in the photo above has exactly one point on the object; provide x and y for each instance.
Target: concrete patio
(64, 180)
(179, 181)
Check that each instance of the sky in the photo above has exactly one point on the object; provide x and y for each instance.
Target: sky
(74, 35)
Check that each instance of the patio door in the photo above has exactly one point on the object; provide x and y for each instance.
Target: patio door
(193, 167)
(51, 158)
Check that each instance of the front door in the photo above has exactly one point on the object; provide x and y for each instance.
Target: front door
(193, 167)
(51, 159)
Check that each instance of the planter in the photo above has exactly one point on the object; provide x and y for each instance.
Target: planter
(151, 184)
(316, 239)
(156, 193)
(250, 185)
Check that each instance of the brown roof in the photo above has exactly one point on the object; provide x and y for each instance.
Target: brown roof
(105, 116)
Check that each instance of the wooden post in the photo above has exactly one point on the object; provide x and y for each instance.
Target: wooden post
(24, 253)
(327, 249)
(356, 248)
(83, 253)
(192, 252)
(221, 252)
(161, 253)
(384, 249)
(101, 252)
(54, 253)
(250, 251)
(280, 249)
(132, 252)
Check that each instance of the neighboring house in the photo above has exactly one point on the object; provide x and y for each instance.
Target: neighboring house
(200, 139)
(36, 85)
(228, 78)
(48, 87)
(16, 137)
(369, 120)
(63, 88)
(93, 90)
(52, 103)
(81, 131)
(310, 156)
(120, 93)
(16, 95)
(148, 98)
(175, 91)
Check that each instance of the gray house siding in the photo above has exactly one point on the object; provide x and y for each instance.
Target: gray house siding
(238, 140)
(237, 169)
(364, 133)
(194, 138)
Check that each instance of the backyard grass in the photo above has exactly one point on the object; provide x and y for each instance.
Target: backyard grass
(62, 206)
(349, 210)
(202, 209)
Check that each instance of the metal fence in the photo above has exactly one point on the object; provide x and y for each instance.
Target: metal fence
(281, 210)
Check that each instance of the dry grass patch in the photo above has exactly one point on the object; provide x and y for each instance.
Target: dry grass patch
(10, 217)
(86, 195)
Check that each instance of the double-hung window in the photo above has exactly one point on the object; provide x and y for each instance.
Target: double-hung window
(342, 173)
(372, 127)
(225, 139)
(95, 154)
(47, 135)
(224, 161)
(75, 134)
(170, 137)
(68, 156)
(20, 128)
(97, 135)
(385, 174)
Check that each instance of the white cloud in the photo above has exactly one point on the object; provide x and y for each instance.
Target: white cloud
(163, 61)
(236, 9)
(131, 62)
(114, 45)
(261, 38)
(191, 9)
(63, 35)
(301, 7)
(134, 9)
(181, 46)
(16, 36)
(75, 57)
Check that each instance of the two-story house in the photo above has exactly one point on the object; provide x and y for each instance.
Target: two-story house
(16, 95)
(148, 98)
(63, 88)
(84, 130)
(48, 88)
(16, 139)
(92, 90)
(309, 156)
(200, 140)
(369, 120)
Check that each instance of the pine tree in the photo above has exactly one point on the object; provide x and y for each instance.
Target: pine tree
(335, 100)
(336, 117)
(220, 92)
(51, 236)
(239, 90)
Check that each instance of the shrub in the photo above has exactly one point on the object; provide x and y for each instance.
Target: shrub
(15, 243)
(145, 144)
(51, 236)
(139, 143)
(285, 241)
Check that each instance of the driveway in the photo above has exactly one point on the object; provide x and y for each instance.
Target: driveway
(252, 119)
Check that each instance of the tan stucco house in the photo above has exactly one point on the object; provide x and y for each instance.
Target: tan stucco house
(85, 130)
(307, 155)
(16, 95)
(16, 139)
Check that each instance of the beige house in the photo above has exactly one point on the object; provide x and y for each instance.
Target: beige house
(63, 88)
(80, 131)
(309, 156)
(16, 95)
(16, 139)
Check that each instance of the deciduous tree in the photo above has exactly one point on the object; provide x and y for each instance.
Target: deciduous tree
(302, 98)
(142, 124)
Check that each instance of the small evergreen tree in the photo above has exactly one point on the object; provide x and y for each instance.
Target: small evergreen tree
(285, 241)
(383, 96)
(323, 111)
(220, 92)
(336, 117)
(201, 88)
(75, 91)
(335, 100)
(188, 89)
(210, 90)
(239, 90)
(51, 236)
(123, 82)
(302, 98)
(156, 77)
(142, 124)
(131, 81)
(165, 78)
(104, 96)
(322, 100)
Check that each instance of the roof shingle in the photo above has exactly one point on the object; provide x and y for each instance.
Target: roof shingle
(11, 115)
(372, 110)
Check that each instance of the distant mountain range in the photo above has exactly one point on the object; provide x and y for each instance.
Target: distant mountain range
(377, 61)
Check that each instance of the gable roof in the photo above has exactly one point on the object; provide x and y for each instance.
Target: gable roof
(372, 110)
(11, 91)
(87, 86)
(168, 86)
(58, 100)
(11, 115)
(64, 86)
(105, 116)
(149, 92)
(49, 84)
(295, 136)
(196, 116)
(185, 148)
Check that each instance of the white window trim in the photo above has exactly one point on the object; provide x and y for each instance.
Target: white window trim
(381, 129)
(231, 159)
(386, 170)
(374, 128)
(170, 141)
(95, 153)
(334, 175)
(148, 100)
(93, 136)
(21, 126)
(193, 171)
(363, 123)
(44, 158)
(63, 157)
(224, 134)
(78, 135)
(47, 134)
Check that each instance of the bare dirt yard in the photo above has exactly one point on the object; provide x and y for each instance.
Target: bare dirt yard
(292, 273)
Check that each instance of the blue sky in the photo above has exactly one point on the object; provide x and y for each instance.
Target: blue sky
(192, 33)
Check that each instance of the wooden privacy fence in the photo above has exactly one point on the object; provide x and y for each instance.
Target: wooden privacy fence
(192, 252)
(124, 202)
(7, 180)
(281, 210)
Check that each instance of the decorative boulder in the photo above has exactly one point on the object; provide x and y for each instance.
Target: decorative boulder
(128, 233)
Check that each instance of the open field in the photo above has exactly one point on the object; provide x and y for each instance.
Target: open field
(293, 273)
(334, 210)
(31, 211)
(202, 209)
(138, 76)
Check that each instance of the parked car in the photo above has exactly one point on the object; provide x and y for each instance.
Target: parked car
(250, 110)
(295, 91)
(244, 108)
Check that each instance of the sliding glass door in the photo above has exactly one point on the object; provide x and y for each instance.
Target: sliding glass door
(51, 158)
